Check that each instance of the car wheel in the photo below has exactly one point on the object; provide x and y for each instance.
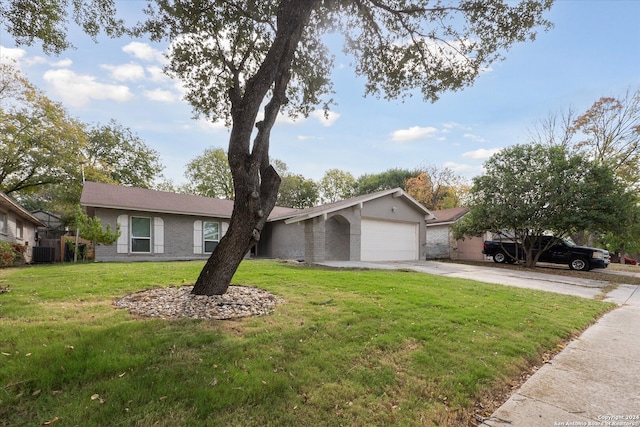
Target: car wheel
(579, 264)
(499, 257)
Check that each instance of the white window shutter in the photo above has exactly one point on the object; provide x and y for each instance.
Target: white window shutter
(158, 235)
(224, 226)
(122, 245)
(197, 237)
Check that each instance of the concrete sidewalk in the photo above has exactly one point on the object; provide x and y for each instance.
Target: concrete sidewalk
(594, 381)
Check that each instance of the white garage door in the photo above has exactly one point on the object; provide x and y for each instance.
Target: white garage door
(389, 241)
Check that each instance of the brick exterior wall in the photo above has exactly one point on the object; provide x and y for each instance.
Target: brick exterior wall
(178, 237)
(314, 243)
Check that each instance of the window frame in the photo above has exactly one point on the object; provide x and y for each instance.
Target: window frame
(3, 222)
(19, 230)
(133, 239)
(210, 241)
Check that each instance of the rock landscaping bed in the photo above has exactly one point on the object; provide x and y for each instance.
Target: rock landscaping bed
(178, 302)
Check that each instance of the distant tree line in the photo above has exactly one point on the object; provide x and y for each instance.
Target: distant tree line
(436, 188)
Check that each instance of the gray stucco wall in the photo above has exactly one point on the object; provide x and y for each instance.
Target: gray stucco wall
(282, 241)
(178, 237)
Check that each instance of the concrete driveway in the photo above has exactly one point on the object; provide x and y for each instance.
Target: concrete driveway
(584, 288)
(593, 381)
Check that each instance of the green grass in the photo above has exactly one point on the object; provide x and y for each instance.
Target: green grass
(351, 348)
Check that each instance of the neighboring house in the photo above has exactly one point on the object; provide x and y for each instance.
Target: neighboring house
(388, 225)
(440, 241)
(53, 227)
(17, 225)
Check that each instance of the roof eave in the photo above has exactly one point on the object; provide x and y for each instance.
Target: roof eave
(22, 211)
(164, 211)
(395, 192)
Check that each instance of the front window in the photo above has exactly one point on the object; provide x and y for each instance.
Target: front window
(211, 234)
(140, 234)
(3, 223)
(19, 230)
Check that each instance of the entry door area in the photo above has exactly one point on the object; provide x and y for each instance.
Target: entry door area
(389, 240)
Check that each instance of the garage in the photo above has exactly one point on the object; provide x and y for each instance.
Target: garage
(389, 240)
(388, 225)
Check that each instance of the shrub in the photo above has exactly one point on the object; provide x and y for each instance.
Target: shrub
(10, 253)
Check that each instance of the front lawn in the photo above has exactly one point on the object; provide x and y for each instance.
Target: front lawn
(354, 348)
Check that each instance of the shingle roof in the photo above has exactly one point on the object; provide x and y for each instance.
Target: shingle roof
(447, 215)
(316, 211)
(19, 210)
(130, 198)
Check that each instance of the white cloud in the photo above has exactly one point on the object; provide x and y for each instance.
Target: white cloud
(35, 60)
(282, 119)
(474, 138)
(144, 51)
(8, 54)
(63, 63)
(449, 126)
(157, 75)
(79, 90)
(208, 125)
(481, 153)
(18, 57)
(327, 120)
(414, 133)
(285, 119)
(458, 167)
(125, 72)
(161, 95)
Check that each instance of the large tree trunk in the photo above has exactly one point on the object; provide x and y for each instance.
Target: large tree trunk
(248, 218)
(255, 180)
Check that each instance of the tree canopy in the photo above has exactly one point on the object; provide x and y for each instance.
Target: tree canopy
(392, 178)
(436, 187)
(210, 175)
(530, 190)
(297, 192)
(44, 152)
(39, 139)
(337, 185)
(609, 134)
(115, 153)
(46, 21)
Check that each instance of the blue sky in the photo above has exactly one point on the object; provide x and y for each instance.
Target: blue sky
(593, 51)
